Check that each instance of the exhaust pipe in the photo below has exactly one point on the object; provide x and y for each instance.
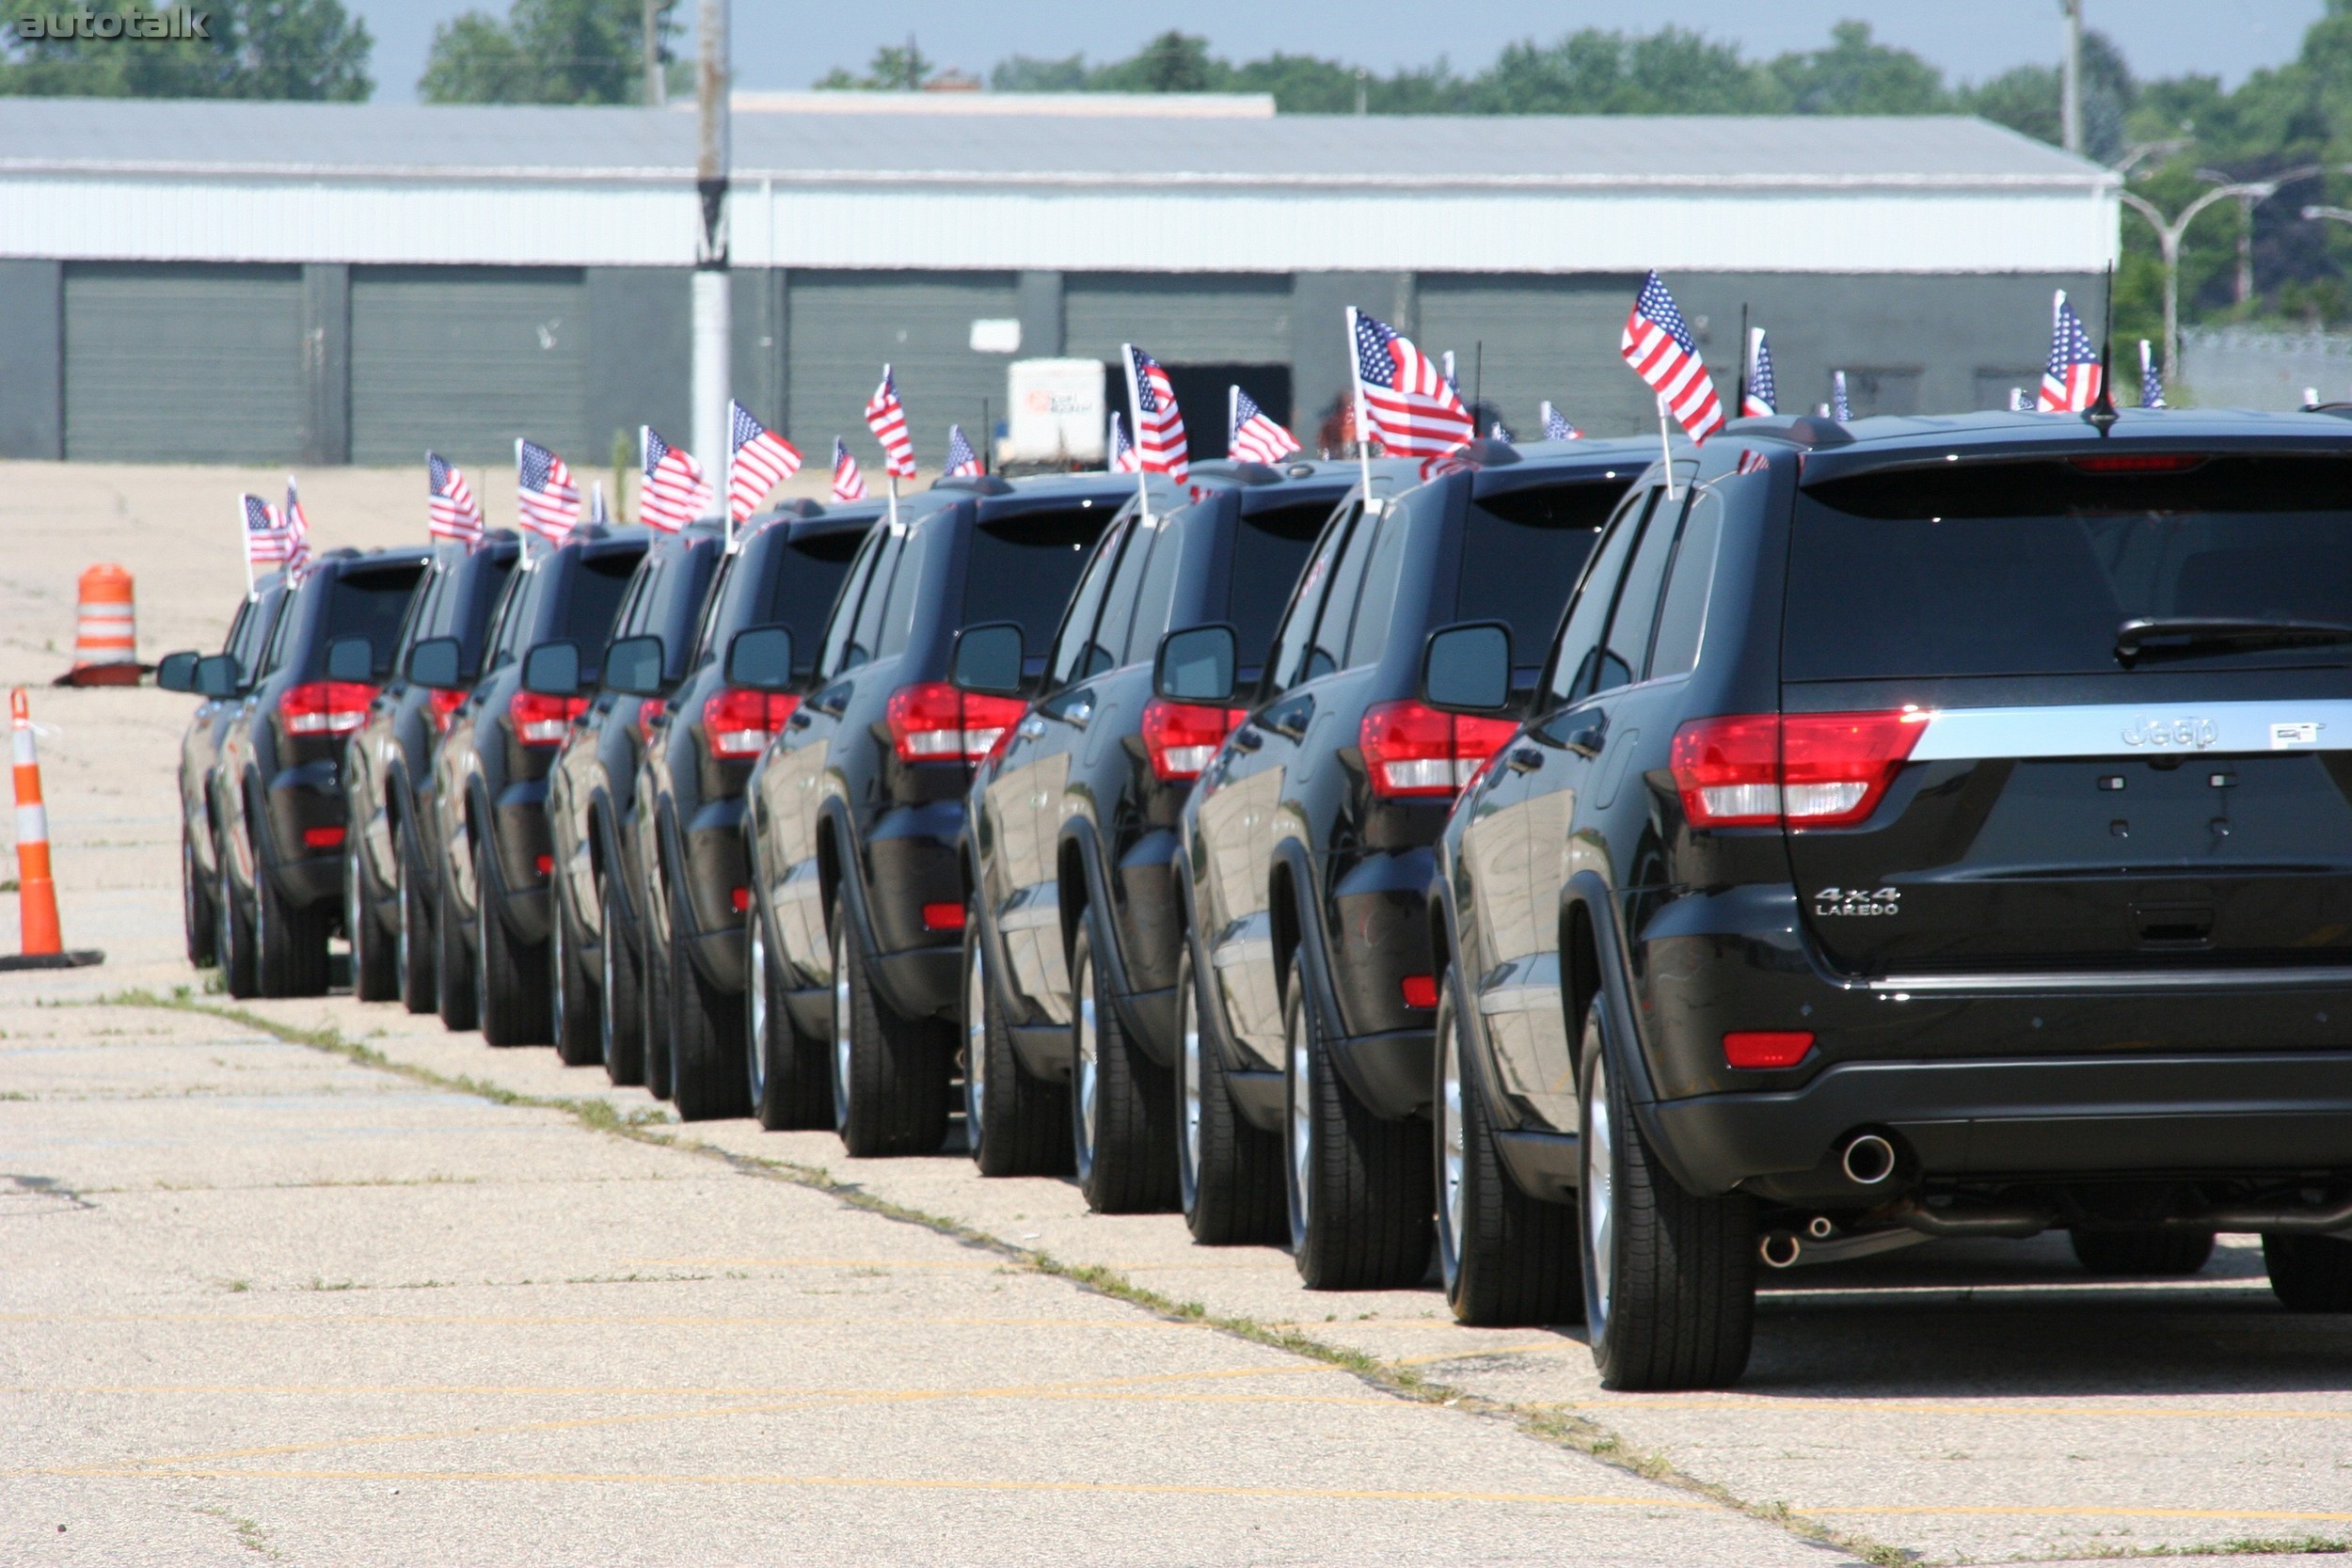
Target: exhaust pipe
(1779, 1249)
(1820, 1227)
(1869, 1160)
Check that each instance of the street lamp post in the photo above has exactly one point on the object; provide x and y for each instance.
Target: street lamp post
(2169, 236)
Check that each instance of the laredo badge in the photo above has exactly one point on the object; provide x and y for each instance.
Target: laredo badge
(1858, 901)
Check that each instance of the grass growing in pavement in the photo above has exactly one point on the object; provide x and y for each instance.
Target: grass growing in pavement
(1578, 1432)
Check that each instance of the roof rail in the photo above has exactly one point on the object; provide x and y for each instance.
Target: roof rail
(1798, 430)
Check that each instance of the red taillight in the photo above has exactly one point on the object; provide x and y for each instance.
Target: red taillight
(443, 706)
(1421, 990)
(1412, 750)
(738, 723)
(1806, 770)
(942, 917)
(935, 723)
(741, 899)
(649, 713)
(540, 720)
(1767, 1048)
(2140, 463)
(544, 864)
(323, 838)
(325, 707)
(1180, 738)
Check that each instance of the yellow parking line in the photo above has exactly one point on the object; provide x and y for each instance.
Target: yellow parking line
(1848, 1409)
(635, 1321)
(2077, 1511)
(459, 1390)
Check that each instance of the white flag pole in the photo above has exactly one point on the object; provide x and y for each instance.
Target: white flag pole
(1135, 417)
(245, 549)
(1666, 445)
(1233, 415)
(1364, 422)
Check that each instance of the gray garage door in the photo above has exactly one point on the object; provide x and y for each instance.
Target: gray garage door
(846, 324)
(1231, 318)
(1540, 338)
(464, 359)
(184, 363)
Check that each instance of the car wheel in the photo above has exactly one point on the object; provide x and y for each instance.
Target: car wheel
(415, 939)
(1120, 1116)
(1359, 1186)
(620, 1023)
(289, 942)
(199, 918)
(890, 1073)
(1229, 1174)
(706, 1072)
(510, 975)
(1506, 1259)
(374, 960)
(1017, 1125)
(790, 1073)
(1669, 1275)
(2155, 1252)
(452, 959)
(572, 1001)
(2310, 1273)
(653, 992)
(233, 933)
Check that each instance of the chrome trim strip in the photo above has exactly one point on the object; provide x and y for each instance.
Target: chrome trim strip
(2154, 729)
(2332, 977)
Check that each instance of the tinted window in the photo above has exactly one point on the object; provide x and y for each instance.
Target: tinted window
(1329, 646)
(594, 600)
(513, 614)
(2028, 568)
(1077, 626)
(428, 607)
(1627, 647)
(1158, 593)
(1376, 607)
(1289, 650)
(869, 610)
(845, 609)
(674, 601)
(1522, 551)
(252, 632)
(1119, 605)
(1270, 550)
(906, 584)
(1021, 569)
(469, 615)
(1572, 664)
(781, 584)
(1683, 614)
(370, 604)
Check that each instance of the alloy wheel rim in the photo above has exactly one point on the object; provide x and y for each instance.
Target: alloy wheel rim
(351, 915)
(1450, 1138)
(1188, 1074)
(840, 1030)
(559, 963)
(605, 960)
(481, 941)
(975, 1046)
(755, 988)
(1302, 1128)
(1086, 1069)
(1600, 1205)
(401, 938)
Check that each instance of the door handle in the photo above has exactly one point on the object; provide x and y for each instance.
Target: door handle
(1524, 759)
(1031, 728)
(1247, 739)
(1587, 738)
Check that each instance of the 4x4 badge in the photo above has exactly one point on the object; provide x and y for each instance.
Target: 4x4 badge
(1858, 900)
(2190, 734)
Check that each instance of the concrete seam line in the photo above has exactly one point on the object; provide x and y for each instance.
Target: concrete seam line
(1562, 1429)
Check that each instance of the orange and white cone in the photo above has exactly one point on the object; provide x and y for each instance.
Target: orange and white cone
(35, 890)
(106, 630)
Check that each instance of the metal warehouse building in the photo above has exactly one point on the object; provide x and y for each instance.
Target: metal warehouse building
(330, 283)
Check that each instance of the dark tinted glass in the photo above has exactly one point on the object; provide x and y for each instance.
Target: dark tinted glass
(1328, 650)
(847, 603)
(470, 614)
(509, 619)
(428, 607)
(1683, 614)
(2028, 568)
(1158, 592)
(1119, 605)
(594, 600)
(1580, 634)
(1376, 607)
(1626, 649)
(906, 582)
(1520, 554)
(869, 610)
(251, 633)
(802, 582)
(370, 604)
(1068, 660)
(677, 601)
(1270, 550)
(1021, 569)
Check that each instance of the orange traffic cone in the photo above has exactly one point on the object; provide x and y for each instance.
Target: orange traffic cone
(37, 892)
(105, 631)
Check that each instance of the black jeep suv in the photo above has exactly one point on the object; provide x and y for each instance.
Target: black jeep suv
(855, 814)
(1306, 844)
(1924, 828)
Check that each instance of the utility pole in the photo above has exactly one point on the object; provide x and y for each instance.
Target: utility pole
(2071, 82)
(712, 323)
(656, 80)
(2168, 244)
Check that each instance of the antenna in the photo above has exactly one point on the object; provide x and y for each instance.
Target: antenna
(1740, 390)
(2101, 413)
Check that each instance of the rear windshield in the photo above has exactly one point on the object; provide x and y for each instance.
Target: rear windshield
(371, 604)
(2029, 568)
(596, 590)
(1021, 569)
(802, 582)
(469, 622)
(1270, 550)
(1522, 551)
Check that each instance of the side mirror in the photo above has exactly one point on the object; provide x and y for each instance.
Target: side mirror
(177, 672)
(216, 676)
(1196, 665)
(351, 658)
(987, 660)
(1466, 668)
(434, 662)
(552, 669)
(634, 665)
(761, 658)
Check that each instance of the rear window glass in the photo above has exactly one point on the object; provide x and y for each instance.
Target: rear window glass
(1521, 552)
(594, 600)
(2029, 568)
(1270, 550)
(795, 587)
(1021, 569)
(371, 604)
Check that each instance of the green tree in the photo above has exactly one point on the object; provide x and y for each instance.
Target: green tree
(1671, 72)
(1028, 73)
(893, 69)
(1858, 75)
(545, 52)
(1173, 62)
(276, 49)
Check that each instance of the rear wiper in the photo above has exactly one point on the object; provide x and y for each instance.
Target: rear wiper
(2177, 636)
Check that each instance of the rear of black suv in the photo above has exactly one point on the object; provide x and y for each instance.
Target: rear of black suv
(1982, 868)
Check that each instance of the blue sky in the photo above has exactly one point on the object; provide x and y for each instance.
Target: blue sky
(789, 43)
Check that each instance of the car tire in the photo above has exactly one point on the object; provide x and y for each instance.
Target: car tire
(375, 955)
(510, 975)
(1229, 1174)
(1359, 1185)
(233, 936)
(890, 1073)
(1669, 1275)
(653, 995)
(1121, 1111)
(2309, 1273)
(414, 941)
(1507, 1259)
(2154, 1253)
(573, 1006)
(452, 961)
(1017, 1125)
(289, 942)
(707, 1077)
(788, 1073)
(620, 1017)
(199, 918)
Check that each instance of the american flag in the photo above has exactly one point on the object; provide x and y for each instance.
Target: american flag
(762, 460)
(963, 462)
(1840, 409)
(848, 483)
(1159, 423)
(1757, 401)
(547, 501)
(1123, 458)
(451, 511)
(1556, 425)
(297, 524)
(1250, 435)
(267, 543)
(1413, 412)
(675, 493)
(1453, 382)
(2069, 383)
(1751, 462)
(886, 416)
(1661, 350)
(2151, 379)
(1500, 432)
